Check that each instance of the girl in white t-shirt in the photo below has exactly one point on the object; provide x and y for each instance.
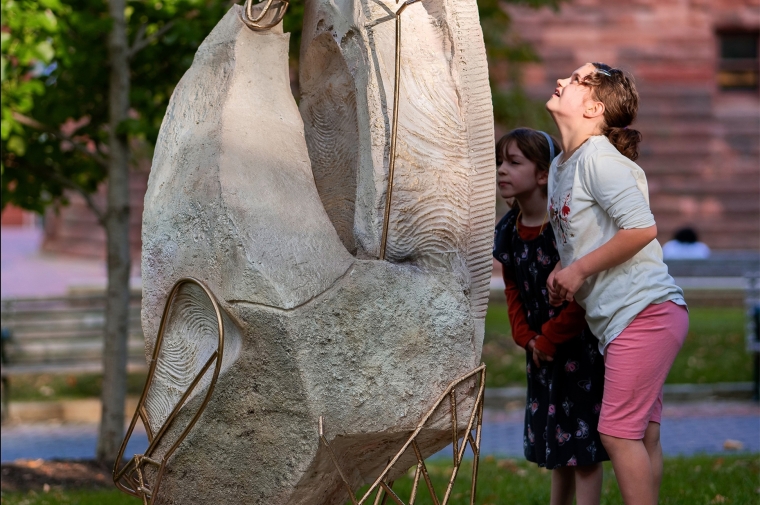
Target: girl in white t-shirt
(611, 264)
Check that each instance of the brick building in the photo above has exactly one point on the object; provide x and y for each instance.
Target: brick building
(696, 67)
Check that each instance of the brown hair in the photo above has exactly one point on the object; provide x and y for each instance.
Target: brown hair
(533, 144)
(535, 147)
(617, 91)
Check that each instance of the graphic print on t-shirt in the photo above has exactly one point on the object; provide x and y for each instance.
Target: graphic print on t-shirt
(560, 216)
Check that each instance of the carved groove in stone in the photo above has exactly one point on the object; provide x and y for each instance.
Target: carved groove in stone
(332, 135)
(190, 339)
(442, 208)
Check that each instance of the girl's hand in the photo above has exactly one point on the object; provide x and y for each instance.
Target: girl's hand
(567, 282)
(538, 356)
(554, 298)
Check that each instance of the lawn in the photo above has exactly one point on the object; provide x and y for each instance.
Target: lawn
(714, 350)
(687, 481)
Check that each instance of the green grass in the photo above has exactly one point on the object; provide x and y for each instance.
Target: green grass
(692, 481)
(699, 480)
(714, 350)
(686, 481)
(56, 387)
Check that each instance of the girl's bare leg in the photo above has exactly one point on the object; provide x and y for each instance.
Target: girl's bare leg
(654, 449)
(588, 484)
(563, 486)
(633, 469)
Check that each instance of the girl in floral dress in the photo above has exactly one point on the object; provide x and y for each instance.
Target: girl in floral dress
(564, 368)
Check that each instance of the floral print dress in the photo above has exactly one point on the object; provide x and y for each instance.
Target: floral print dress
(564, 396)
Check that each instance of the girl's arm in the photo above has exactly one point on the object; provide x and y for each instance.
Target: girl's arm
(619, 249)
(521, 332)
(565, 326)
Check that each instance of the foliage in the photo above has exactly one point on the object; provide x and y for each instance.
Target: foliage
(67, 135)
(714, 350)
(28, 28)
(55, 72)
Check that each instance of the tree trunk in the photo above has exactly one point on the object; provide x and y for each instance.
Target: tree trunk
(117, 236)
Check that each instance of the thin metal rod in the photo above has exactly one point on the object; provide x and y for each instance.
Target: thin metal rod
(335, 461)
(475, 419)
(425, 473)
(160, 476)
(394, 135)
(476, 456)
(389, 492)
(139, 460)
(144, 419)
(421, 424)
(454, 426)
(253, 22)
(175, 411)
(379, 496)
(415, 483)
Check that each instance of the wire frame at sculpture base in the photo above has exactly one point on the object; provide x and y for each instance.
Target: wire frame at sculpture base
(133, 477)
(382, 487)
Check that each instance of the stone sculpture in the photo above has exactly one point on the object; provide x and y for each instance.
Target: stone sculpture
(280, 213)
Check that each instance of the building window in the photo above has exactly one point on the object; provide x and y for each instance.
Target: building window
(739, 65)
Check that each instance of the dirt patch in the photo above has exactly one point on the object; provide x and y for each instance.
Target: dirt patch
(43, 475)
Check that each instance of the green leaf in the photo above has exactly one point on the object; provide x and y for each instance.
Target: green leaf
(17, 145)
(46, 51)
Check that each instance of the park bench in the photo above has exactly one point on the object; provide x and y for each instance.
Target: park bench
(61, 335)
(725, 265)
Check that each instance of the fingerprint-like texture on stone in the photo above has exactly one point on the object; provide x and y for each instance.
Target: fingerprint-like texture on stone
(190, 339)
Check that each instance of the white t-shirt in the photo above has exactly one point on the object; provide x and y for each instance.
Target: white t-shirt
(593, 195)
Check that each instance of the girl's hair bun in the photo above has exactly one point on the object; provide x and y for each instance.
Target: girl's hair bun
(626, 140)
(617, 91)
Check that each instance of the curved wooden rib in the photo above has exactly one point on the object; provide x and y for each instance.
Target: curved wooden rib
(131, 477)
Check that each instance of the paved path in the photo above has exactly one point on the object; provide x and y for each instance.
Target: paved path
(687, 429)
(25, 271)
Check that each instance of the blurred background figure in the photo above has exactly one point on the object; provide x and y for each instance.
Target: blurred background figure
(685, 245)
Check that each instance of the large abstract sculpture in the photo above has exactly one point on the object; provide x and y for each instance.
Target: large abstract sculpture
(282, 217)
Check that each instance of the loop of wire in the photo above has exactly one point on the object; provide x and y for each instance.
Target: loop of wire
(253, 22)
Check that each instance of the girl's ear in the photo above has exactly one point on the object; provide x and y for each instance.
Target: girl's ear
(594, 109)
(542, 177)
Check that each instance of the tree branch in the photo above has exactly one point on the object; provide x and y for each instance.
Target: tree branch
(68, 183)
(139, 37)
(27, 121)
(141, 42)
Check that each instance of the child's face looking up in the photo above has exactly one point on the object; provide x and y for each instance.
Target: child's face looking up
(570, 97)
(517, 175)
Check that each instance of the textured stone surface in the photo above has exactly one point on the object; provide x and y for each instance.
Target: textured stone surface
(316, 330)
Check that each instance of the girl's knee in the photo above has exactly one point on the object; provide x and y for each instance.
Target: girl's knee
(652, 435)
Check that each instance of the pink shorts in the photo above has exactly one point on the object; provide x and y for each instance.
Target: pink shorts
(636, 364)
